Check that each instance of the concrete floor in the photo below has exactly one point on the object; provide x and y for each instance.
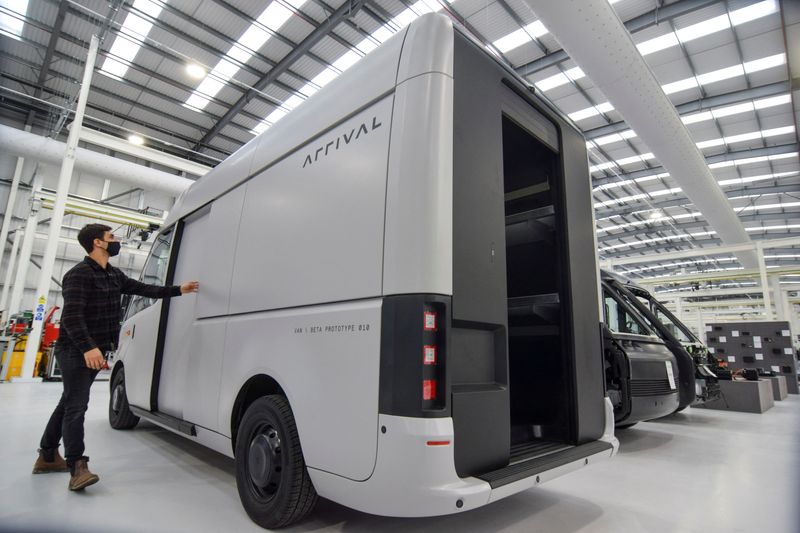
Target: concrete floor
(699, 471)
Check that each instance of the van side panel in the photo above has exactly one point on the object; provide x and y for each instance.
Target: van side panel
(366, 81)
(327, 360)
(419, 202)
(583, 290)
(312, 225)
(217, 264)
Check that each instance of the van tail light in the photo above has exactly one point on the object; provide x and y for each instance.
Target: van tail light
(429, 389)
(433, 343)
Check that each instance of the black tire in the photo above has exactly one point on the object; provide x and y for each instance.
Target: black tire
(271, 474)
(626, 426)
(119, 411)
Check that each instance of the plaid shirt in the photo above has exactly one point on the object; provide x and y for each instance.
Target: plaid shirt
(92, 304)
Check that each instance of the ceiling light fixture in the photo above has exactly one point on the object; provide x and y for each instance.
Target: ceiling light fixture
(195, 71)
(138, 140)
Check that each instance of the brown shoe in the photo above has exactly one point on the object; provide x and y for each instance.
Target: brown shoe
(81, 476)
(43, 466)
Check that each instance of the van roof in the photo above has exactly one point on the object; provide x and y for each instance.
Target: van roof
(419, 48)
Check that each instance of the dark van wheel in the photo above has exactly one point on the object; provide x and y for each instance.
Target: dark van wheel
(270, 471)
(119, 413)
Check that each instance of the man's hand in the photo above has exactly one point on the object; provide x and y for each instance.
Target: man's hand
(190, 286)
(94, 359)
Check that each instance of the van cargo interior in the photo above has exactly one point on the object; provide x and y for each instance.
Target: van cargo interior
(538, 384)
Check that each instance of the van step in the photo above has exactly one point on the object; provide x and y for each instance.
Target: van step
(529, 450)
(537, 465)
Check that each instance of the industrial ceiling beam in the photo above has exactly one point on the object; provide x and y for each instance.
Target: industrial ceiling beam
(348, 9)
(702, 252)
(702, 104)
(648, 230)
(44, 70)
(651, 18)
(711, 159)
(681, 202)
(746, 273)
(683, 245)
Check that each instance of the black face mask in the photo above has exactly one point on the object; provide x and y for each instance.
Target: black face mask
(113, 248)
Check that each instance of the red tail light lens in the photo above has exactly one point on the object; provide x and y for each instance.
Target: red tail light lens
(429, 389)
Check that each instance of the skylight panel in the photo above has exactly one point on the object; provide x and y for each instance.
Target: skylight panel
(701, 29)
(557, 80)
(512, 40)
(733, 110)
(635, 159)
(760, 177)
(656, 44)
(602, 166)
(625, 183)
(720, 75)
(773, 101)
(743, 137)
(252, 39)
(273, 18)
(767, 206)
(697, 117)
(753, 12)
(708, 144)
(681, 85)
(519, 37)
(778, 131)
(132, 33)
(276, 15)
(764, 63)
(770, 228)
(11, 25)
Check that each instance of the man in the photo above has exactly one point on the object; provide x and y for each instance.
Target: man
(90, 323)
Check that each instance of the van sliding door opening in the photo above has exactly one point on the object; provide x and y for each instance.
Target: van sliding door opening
(537, 367)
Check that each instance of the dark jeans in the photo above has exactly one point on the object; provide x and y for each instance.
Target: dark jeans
(67, 419)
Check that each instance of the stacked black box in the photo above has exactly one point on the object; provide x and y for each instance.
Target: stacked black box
(765, 345)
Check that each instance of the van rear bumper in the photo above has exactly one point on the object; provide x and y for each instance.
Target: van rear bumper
(414, 477)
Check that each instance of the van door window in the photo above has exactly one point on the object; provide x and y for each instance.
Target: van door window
(154, 273)
(619, 320)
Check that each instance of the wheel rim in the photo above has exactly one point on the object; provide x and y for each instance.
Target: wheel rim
(116, 398)
(265, 462)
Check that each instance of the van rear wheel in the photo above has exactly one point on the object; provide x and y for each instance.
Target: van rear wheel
(271, 475)
(119, 412)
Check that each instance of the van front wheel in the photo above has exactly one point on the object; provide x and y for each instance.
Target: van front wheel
(271, 474)
(119, 412)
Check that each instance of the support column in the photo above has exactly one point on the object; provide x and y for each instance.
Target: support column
(762, 267)
(701, 327)
(12, 262)
(679, 308)
(781, 302)
(10, 205)
(24, 259)
(59, 206)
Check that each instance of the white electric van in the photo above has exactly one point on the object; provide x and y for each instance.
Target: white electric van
(399, 295)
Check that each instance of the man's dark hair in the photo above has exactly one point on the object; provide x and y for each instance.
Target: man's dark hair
(89, 233)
